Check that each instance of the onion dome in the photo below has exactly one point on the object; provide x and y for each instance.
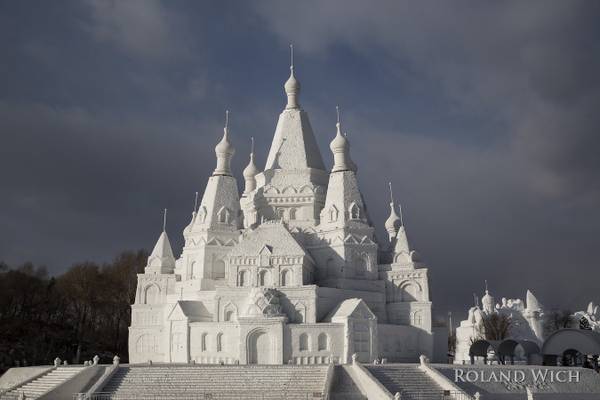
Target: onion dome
(394, 222)
(340, 147)
(250, 172)
(224, 151)
(292, 86)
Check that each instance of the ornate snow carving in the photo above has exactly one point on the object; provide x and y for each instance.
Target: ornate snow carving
(263, 302)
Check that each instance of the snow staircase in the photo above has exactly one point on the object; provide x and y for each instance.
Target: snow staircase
(43, 384)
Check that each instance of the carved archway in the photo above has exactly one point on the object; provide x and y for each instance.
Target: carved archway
(259, 347)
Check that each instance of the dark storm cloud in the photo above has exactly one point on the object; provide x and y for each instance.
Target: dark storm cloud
(482, 114)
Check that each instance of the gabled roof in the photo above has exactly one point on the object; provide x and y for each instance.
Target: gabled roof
(350, 308)
(272, 235)
(190, 310)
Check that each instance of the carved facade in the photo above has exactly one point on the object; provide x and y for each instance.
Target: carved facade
(288, 272)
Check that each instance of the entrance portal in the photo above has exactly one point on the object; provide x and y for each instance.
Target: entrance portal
(259, 348)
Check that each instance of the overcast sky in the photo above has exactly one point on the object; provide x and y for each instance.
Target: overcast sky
(484, 115)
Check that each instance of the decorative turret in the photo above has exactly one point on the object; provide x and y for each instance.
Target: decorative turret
(394, 222)
(161, 260)
(292, 86)
(224, 151)
(250, 171)
(340, 147)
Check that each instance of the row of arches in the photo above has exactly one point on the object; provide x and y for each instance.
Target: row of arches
(265, 278)
(224, 215)
(305, 342)
(207, 344)
(217, 272)
(292, 190)
(354, 212)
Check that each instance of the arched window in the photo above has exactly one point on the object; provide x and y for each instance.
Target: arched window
(243, 278)
(280, 213)
(417, 319)
(303, 342)
(264, 278)
(151, 294)
(292, 213)
(229, 315)
(354, 211)
(286, 278)
(323, 342)
(219, 269)
(223, 215)
(203, 341)
(333, 214)
(299, 313)
(219, 341)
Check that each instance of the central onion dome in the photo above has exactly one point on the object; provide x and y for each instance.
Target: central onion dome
(292, 89)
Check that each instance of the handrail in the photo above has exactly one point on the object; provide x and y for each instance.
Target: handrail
(108, 373)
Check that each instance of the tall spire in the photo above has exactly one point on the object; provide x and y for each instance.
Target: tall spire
(340, 147)
(292, 86)
(394, 222)
(224, 151)
(250, 171)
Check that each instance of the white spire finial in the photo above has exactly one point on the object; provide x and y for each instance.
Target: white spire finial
(486, 286)
(196, 202)
(224, 151)
(252, 145)
(391, 193)
(165, 220)
(292, 86)
(337, 111)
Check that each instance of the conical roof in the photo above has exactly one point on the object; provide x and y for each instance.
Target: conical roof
(162, 258)
(294, 146)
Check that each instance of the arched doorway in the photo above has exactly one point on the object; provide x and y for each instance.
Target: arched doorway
(259, 348)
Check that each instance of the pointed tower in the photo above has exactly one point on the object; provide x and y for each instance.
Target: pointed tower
(352, 253)
(161, 260)
(406, 281)
(292, 186)
(216, 224)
